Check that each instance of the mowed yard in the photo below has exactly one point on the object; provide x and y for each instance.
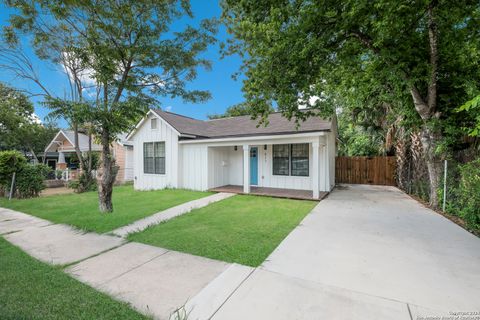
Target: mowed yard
(31, 289)
(242, 229)
(81, 210)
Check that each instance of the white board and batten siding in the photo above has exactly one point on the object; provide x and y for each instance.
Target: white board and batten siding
(201, 165)
(163, 132)
(194, 167)
(224, 165)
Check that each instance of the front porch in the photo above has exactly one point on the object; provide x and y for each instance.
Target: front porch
(272, 192)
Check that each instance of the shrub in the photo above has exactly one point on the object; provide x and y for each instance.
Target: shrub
(468, 193)
(30, 180)
(463, 192)
(83, 184)
(10, 162)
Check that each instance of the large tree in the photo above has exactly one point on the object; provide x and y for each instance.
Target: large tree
(239, 109)
(419, 57)
(20, 128)
(132, 55)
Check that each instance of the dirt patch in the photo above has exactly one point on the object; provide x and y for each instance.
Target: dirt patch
(54, 191)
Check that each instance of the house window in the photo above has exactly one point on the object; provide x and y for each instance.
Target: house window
(299, 159)
(153, 124)
(154, 157)
(291, 159)
(281, 159)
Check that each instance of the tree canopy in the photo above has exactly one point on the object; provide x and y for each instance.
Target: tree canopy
(239, 109)
(129, 52)
(420, 60)
(20, 128)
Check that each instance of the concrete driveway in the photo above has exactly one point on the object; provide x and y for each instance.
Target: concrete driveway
(365, 252)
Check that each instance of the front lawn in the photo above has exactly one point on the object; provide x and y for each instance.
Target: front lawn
(31, 289)
(242, 229)
(81, 210)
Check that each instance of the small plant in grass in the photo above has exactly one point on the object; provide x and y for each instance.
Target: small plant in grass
(180, 314)
(83, 184)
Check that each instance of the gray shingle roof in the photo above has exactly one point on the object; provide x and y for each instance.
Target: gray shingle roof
(241, 126)
(82, 140)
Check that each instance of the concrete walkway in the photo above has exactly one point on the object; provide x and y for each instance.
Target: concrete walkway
(170, 213)
(365, 252)
(56, 244)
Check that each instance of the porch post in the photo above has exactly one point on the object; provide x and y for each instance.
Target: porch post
(246, 168)
(61, 163)
(316, 170)
(326, 175)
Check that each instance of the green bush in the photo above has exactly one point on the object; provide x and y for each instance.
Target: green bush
(10, 161)
(463, 192)
(468, 193)
(30, 180)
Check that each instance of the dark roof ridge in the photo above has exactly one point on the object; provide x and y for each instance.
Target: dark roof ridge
(176, 114)
(247, 115)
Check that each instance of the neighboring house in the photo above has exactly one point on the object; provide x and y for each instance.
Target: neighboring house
(172, 150)
(64, 145)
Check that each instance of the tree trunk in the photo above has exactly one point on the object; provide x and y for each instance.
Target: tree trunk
(77, 146)
(89, 153)
(35, 155)
(430, 141)
(108, 175)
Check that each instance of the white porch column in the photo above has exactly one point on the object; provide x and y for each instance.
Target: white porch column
(326, 167)
(61, 157)
(246, 168)
(316, 170)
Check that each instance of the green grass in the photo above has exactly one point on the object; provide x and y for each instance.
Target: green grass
(241, 229)
(31, 289)
(81, 210)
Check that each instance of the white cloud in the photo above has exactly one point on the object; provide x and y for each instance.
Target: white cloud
(35, 119)
(168, 108)
(69, 63)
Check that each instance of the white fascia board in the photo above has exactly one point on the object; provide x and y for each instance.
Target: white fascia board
(54, 140)
(257, 140)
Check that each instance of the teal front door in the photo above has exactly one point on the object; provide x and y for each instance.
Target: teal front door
(254, 166)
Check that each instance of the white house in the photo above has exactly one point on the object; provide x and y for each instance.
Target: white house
(172, 150)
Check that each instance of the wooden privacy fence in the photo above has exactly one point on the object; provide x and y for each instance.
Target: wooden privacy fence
(365, 170)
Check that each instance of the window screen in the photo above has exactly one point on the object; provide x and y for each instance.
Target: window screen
(299, 159)
(153, 124)
(281, 159)
(154, 157)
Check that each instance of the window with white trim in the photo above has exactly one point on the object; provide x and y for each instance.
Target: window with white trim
(281, 166)
(291, 160)
(299, 159)
(154, 157)
(153, 124)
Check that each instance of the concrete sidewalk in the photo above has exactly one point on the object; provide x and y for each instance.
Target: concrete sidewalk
(170, 213)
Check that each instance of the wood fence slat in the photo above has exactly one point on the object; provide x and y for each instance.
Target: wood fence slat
(365, 170)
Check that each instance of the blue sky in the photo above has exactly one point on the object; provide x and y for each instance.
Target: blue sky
(225, 91)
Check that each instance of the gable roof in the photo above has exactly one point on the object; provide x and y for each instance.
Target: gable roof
(69, 136)
(240, 126)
